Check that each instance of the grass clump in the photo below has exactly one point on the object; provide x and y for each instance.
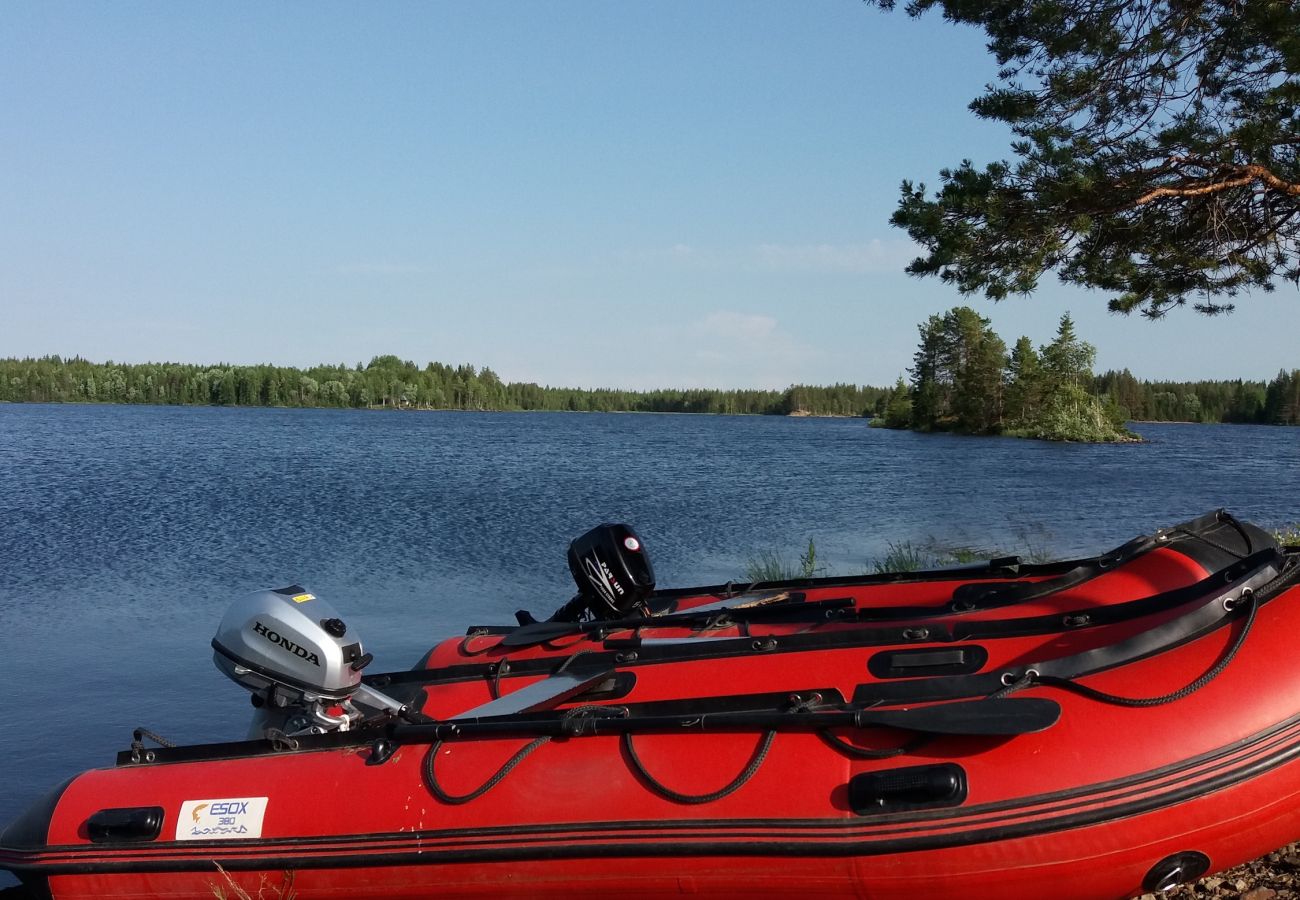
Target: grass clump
(770, 565)
(913, 556)
(1033, 544)
(910, 556)
(903, 556)
(1287, 535)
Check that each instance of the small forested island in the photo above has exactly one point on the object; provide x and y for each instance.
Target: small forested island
(963, 380)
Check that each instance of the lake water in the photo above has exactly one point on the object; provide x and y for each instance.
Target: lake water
(125, 531)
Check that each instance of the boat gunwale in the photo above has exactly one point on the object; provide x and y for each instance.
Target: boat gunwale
(1256, 755)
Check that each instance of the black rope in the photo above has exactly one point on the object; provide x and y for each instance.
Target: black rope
(576, 723)
(1032, 677)
(852, 750)
(864, 753)
(464, 644)
(760, 754)
(568, 660)
(495, 671)
(1241, 530)
(141, 733)
(1235, 525)
(281, 742)
(431, 779)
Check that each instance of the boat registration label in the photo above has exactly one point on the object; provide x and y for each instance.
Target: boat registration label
(221, 818)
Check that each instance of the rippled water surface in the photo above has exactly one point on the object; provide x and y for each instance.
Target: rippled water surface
(125, 531)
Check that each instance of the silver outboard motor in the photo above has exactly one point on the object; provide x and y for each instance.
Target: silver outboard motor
(298, 658)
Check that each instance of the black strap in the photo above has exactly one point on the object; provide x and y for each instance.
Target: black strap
(987, 595)
(1205, 529)
(1192, 623)
(1247, 600)
(1263, 582)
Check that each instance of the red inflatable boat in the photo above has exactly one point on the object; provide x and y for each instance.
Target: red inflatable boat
(1097, 728)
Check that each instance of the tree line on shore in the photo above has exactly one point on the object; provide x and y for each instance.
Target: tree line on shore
(389, 382)
(1276, 402)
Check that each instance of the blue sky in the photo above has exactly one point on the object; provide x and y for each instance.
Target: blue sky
(592, 194)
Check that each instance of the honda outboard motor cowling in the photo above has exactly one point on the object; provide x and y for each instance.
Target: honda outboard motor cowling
(613, 573)
(298, 658)
(289, 637)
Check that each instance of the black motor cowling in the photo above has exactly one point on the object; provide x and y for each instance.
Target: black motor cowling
(613, 574)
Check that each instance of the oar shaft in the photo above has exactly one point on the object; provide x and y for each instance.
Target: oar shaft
(978, 717)
(468, 729)
(537, 632)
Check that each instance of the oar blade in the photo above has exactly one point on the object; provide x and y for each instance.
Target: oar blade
(538, 632)
(1003, 717)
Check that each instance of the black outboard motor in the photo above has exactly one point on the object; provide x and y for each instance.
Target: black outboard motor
(613, 574)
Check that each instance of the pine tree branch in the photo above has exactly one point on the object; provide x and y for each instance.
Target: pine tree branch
(1249, 173)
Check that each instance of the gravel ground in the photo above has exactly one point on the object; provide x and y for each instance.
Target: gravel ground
(1272, 877)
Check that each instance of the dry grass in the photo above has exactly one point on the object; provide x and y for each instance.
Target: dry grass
(233, 890)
